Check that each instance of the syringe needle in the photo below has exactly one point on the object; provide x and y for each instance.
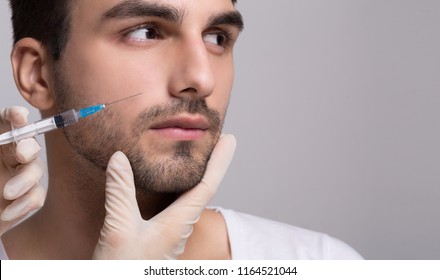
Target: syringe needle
(123, 99)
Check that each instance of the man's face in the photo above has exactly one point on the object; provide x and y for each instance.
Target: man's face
(179, 55)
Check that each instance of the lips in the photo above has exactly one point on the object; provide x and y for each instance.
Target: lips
(184, 122)
(182, 128)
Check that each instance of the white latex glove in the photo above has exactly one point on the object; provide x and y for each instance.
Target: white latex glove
(20, 172)
(125, 235)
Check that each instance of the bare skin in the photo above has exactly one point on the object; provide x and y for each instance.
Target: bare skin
(108, 55)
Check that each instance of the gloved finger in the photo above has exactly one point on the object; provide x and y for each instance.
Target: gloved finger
(122, 211)
(22, 206)
(218, 165)
(190, 205)
(27, 176)
(27, 150)
(16, 116)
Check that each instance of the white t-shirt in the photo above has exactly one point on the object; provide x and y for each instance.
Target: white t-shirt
(254, 238)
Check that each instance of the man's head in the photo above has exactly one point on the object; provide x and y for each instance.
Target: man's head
(178, 53)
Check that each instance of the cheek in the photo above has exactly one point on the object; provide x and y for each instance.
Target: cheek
(96, 138)
(224, 74)
(102, 74)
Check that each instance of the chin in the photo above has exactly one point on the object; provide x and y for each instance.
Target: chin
(177, 173)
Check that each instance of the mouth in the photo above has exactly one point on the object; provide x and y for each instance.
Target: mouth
(182, 128)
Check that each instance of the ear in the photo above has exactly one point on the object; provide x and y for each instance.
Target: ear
(31, 66)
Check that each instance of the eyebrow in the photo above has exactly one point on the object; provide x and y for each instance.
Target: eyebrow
(233, 18)
(136, 8)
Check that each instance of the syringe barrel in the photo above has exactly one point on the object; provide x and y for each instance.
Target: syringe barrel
(66, 118)
(33, 129)
(45, 125)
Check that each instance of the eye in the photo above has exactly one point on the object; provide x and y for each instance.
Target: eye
(143, 33)
(221, 39)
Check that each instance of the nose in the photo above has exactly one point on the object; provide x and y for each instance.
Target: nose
(192, 75)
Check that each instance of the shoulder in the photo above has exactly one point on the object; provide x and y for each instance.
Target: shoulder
(253, 237)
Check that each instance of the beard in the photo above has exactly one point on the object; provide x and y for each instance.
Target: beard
(96, 138)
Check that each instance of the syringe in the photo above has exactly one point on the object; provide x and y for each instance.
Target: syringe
(61, 120)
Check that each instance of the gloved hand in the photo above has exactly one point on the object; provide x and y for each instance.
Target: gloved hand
(20, 172)
(125, 235)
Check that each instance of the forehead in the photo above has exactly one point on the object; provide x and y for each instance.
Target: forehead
(82, 9)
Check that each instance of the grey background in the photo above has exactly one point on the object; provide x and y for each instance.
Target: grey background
(336, 112)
